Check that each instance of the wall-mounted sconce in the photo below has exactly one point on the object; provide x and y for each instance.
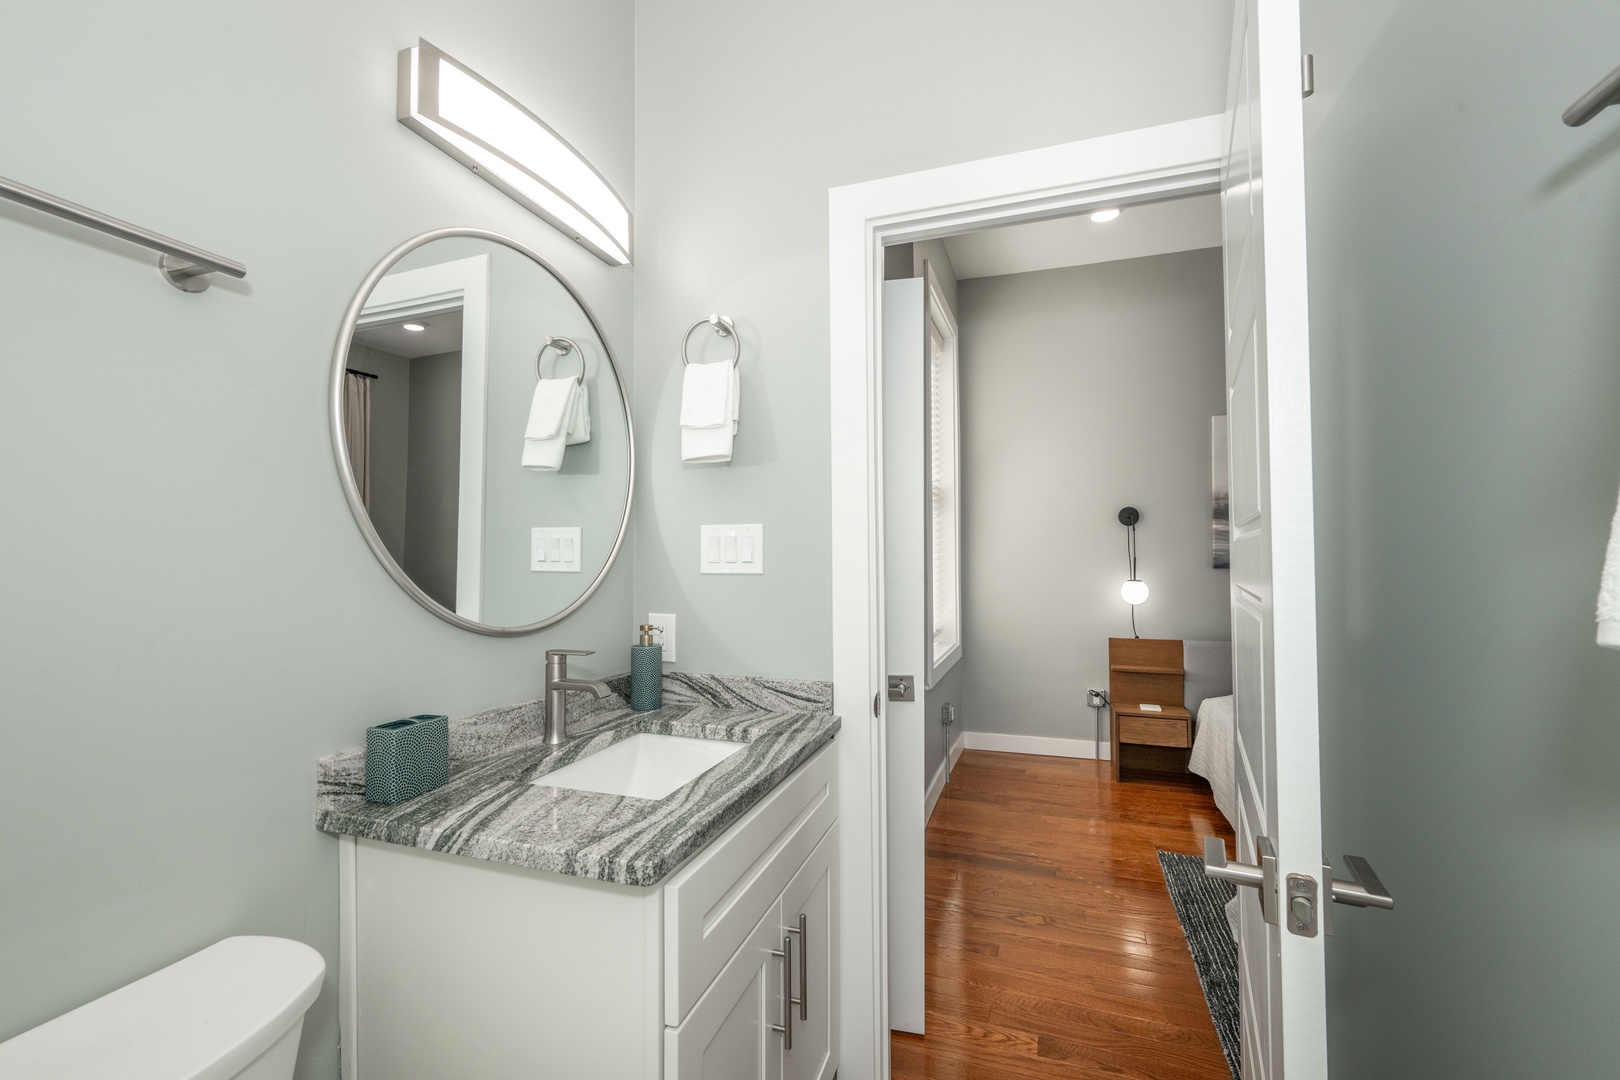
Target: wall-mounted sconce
(1134, 590)
(474, 121)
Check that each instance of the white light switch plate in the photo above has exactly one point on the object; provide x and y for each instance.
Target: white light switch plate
(731, 549)
(667, 638)
(554, 551)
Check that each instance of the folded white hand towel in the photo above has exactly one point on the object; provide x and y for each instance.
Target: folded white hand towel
(549, 407)
(579, 423)
(1608, 603)
(711, 442)
(706, 400)
(546, 436)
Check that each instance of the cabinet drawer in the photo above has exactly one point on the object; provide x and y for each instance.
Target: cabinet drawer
(1153, 731)
(713, 903)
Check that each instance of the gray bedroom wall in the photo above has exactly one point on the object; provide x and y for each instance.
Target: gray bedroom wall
(1083, 390)
(1465, 264)
(193, 617)
(737, 143)
(433, 475)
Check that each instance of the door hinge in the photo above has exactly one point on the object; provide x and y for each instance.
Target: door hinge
(1307, 75)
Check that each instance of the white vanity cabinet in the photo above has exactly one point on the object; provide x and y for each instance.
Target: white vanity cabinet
(737, 1030)
(454, 966)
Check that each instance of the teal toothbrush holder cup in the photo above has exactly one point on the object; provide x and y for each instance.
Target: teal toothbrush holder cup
(406, 758)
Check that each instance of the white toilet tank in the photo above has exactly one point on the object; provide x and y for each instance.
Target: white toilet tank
(231, 1012)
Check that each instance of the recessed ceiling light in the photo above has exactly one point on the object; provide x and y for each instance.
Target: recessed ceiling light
(1105, 215)
(413, 327)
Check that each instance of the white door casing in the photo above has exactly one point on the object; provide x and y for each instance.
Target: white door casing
(1273, 569)
(1134, 166)
(461, 284)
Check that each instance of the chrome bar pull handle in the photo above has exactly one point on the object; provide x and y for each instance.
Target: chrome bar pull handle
(1262, 877)
(786, 1026)
(1363, 889)
(803, 930)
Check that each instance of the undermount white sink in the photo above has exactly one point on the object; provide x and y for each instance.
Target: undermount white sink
(643, 766)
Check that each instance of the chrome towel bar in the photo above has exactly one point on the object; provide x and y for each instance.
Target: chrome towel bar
(185, 267)
(1595, 100)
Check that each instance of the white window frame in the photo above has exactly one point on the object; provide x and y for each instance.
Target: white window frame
(943, 646)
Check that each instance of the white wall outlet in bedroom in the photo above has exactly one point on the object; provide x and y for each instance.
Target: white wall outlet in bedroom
(731, 549)
(554, 551)
(667, 637)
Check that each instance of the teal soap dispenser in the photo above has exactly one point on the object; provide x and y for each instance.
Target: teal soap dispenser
(647, 672)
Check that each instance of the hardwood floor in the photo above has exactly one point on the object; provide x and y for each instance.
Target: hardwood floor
(1053, 949)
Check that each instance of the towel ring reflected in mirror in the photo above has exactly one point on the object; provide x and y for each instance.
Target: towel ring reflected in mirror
(564, 346)
(613, 472)
(724, 327)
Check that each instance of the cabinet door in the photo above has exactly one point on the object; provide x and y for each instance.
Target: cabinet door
(807, 902)
(729, 1033)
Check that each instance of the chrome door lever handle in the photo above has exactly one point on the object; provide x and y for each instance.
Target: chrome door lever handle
(1363, 889)
(1262, 877)
(1216, 866)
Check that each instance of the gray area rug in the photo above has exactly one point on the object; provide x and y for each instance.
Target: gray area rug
(1201, 906)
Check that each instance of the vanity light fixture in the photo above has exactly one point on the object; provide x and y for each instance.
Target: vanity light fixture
(1101, 216)
(1134, 590)
(484, 128)
(413, 327)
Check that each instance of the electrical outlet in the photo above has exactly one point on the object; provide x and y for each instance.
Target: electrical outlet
(667, 637)
(1096, 699)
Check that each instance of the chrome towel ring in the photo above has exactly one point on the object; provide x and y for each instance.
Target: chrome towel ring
(564, 346)
(724, 327)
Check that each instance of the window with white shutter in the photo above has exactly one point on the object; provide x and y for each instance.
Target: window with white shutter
(944, 569)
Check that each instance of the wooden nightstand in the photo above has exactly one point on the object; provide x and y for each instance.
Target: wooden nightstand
(1148, 671)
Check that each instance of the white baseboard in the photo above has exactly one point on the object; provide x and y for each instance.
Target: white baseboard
(957, 746)
(1035, 744)
(942, 775)
(936, 787)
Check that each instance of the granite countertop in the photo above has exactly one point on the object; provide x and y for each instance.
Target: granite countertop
(490, 810)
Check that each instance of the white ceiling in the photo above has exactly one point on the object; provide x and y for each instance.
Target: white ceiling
(1145, 229)
(443, 334)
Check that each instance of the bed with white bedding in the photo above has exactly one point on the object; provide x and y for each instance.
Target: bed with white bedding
(1208, 666)
(1214, 752)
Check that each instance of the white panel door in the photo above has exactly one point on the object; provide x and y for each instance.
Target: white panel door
(1273, 548)
(905, 545)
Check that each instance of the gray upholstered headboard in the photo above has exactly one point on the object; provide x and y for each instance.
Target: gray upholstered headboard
(1209, 671)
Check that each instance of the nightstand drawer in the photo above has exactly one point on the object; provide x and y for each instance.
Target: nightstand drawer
(1154, 731)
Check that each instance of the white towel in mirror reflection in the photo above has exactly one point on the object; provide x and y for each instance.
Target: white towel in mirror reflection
(709, 400)
(559, 416)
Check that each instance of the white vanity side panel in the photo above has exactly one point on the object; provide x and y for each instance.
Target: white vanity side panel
(470, 968)
(712, 904)
(348, 1015)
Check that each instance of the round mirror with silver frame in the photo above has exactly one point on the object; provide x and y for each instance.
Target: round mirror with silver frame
(433, 399)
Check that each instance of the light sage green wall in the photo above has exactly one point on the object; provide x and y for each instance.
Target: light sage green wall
(1083, 390)
(1465, 268)
(746, 113)
(192, 617)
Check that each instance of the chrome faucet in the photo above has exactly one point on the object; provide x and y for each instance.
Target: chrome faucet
(557, 686)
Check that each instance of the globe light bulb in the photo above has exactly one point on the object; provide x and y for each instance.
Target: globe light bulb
(1133, 592)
